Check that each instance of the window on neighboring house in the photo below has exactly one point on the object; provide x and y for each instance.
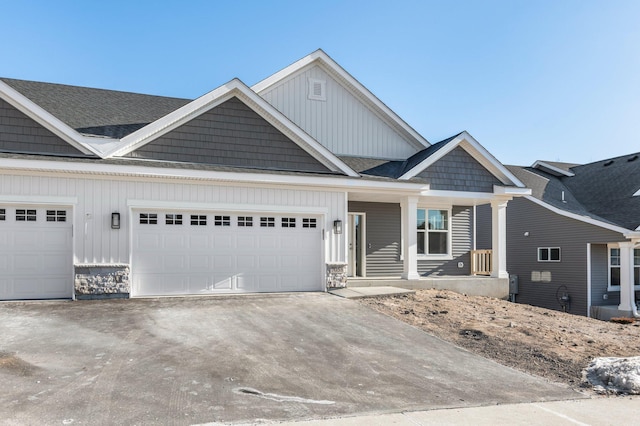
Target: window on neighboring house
(433, 231)
(548, 254)
(614, 267)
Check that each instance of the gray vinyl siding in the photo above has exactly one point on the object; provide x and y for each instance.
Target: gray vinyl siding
(231, 134)
(483, 226)
(383, 231)
(462, 243)
(19, 133)
(459, 171)
(600, 277)
(548, 229)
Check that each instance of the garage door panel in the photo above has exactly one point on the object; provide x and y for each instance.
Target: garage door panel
(231, 258)
(147, 241)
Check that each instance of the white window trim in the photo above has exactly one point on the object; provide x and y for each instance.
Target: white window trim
(615, 287)
(550, 260)
(449, 254)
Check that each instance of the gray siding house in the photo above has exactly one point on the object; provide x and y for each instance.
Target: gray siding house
(574, 243)
(293, 184)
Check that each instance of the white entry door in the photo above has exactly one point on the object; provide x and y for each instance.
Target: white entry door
(176, 253)
(36, 252)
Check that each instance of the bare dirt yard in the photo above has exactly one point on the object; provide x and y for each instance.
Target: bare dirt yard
(542, 342)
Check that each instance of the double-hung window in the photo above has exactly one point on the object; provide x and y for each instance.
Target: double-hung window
(433, 232)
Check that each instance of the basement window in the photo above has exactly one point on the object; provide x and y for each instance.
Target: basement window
(23, 215)
(548, 254)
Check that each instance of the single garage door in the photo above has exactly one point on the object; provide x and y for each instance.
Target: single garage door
(35, 253)
(178, 253)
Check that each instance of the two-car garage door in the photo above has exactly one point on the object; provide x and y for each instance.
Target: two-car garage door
(36, 252)
(225, 252)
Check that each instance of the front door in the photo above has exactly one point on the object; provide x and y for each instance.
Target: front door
(357, 258)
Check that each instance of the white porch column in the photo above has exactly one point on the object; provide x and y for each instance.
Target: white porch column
(627, 296)
(499, 238)
(409, 208)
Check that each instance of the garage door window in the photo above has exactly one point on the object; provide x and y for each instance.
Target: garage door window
(25, 215)
(173, 219)
(308, 222)
(268, 222)
(198, 220)
(245, 221)
(3, 214)
(288, 222)
(222, 221)
(56, 216)
(148, 219)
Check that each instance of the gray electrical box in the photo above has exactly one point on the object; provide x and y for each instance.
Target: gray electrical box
(513, 284)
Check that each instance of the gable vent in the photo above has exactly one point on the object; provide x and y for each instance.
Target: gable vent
(317, 89)
(634, 158)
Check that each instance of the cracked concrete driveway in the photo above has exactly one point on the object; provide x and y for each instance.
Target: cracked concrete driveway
(234, 359)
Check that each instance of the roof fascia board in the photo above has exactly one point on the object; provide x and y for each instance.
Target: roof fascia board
(12, 165)
(353, 85)
(585, 219)
(546, 165)
(45, 118)
(477, 151)
(234, 88)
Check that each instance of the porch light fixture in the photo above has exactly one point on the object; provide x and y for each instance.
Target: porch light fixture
(337, 226)
(115, 220)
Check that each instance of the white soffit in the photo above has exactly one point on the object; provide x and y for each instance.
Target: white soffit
(477, 151)
(350, 83)
(45, 118)
(234, 88)
(555, 170)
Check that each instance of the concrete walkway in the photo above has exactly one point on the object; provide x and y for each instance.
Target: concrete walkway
(595, 411)
(360, 292)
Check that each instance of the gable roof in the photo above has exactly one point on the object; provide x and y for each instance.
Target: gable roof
(319, 57)
(603, 190)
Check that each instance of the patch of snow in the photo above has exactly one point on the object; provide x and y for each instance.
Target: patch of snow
(614, 375)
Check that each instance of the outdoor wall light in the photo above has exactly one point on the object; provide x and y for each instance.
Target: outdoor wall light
(337, 226)
(115, 220)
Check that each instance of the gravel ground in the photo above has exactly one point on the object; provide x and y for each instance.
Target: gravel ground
(551, 344)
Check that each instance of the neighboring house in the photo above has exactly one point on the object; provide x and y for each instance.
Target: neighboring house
(284, 186)
(574, 244)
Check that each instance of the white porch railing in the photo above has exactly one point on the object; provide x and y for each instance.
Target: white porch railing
(481, 262)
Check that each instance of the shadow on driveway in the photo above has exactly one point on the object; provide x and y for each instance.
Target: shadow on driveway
(233, 359)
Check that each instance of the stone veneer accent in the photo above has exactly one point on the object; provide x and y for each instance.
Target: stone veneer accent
(336, 275)
(102, 282)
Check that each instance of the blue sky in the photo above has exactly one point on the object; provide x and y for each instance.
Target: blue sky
(555, 80)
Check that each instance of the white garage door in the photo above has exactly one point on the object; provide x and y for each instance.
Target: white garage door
(203, 252)
(35, 253)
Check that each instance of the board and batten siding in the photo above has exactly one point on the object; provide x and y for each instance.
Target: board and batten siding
(20, 133)
(383, 236)
(231, 134)
(97, 197)
(548, 229)
(461, 245)
(342, 122)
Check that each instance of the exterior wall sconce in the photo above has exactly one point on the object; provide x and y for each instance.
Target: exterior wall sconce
(115, 220)
(337, 226)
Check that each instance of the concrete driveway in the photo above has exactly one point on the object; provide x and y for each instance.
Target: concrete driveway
(234, 359)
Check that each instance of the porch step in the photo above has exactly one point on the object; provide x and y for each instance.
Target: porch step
(360, 292)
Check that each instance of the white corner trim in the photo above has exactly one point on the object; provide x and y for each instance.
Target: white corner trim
(586, 219)
(550, 167)
(477, 151)
(319, 56)
(44, 118)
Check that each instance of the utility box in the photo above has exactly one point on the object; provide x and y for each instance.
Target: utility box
(513, 284)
